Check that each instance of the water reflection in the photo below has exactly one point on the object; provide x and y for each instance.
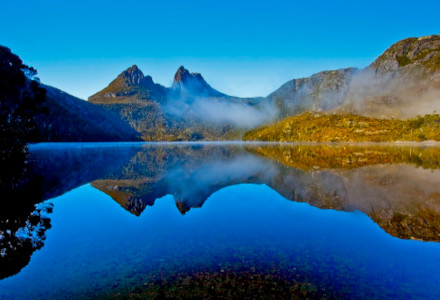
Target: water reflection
(248, 238)
(396, 186)
(27, 181)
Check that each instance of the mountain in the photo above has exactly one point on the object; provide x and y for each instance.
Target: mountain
(33, 112)
(389, 184)
(325, 90)
(382, 102)
(69, 119)
(411, 53)
(136, 99)
(403, 82)
(129, 86)
(186, 84)
(189, 110)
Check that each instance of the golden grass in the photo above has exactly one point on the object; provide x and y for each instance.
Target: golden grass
(324, 127)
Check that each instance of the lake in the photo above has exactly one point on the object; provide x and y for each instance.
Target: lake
(229, 220)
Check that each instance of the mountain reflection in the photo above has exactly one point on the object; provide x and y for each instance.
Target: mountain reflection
(396, 186)
(47, 173)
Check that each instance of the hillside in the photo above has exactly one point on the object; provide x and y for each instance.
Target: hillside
(189, 110)
(34, 112)
(186, 84)
(322, 91)
(401, 83)
(129, 86)
(325, 127)
(69, 119)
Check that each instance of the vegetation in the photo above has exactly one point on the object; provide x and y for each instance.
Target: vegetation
(20, 96)
(335, 156)
(324, 127)
(424, 51)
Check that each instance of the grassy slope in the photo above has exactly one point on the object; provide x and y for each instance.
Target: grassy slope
(320, 127)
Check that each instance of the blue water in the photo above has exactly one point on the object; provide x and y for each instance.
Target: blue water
(95, 247)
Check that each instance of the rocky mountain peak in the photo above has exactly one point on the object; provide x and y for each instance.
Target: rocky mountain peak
(186, 83)
(130, 85)
(132, 76)
(411, 52)
(182, 75)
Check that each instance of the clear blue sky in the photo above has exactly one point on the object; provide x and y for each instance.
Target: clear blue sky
(244, 48)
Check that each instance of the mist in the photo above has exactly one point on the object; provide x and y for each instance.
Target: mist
(239, 114)
(402, 94)
(200, 103)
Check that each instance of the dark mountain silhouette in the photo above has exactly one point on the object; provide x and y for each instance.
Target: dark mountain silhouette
(55, 115)
(69, 119)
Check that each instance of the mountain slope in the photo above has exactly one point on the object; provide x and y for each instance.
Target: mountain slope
(129, 86)
(70, 119)
(422, 51)
(33, 112)
(403, 82)
(322, 91)
(189, 110)
(186, 84)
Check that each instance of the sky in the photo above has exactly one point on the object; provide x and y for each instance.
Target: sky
(242, 48)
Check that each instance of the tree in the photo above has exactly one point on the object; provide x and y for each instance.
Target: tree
(20, 99)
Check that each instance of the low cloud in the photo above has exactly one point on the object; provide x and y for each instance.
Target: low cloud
(223, 111)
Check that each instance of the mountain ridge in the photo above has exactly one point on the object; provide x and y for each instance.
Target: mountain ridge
(169, 113)
(402, 82)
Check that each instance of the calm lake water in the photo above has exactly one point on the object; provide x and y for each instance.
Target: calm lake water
(125, 219)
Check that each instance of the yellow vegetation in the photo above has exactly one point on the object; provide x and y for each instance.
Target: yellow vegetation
(324, 127)
(321, 156)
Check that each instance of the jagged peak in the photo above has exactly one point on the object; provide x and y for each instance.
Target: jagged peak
(134, 68)
(182, 74)
(133, 75)
(186, 83)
